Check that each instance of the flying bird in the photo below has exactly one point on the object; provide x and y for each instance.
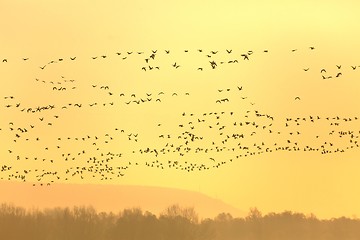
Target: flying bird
(245, 56)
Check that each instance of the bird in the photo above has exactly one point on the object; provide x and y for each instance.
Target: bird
(213, 64)
(72, 58)
(297, 98)
(245, 56)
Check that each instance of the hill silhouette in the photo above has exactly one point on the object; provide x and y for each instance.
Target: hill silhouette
(112, 198)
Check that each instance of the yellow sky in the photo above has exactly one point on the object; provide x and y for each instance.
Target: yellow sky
(306, 181)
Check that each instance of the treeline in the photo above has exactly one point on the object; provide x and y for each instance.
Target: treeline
(174, 223)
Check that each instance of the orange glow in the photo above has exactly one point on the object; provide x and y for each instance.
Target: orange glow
(92, 53)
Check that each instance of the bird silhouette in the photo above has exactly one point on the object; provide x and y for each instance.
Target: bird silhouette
(245, 56)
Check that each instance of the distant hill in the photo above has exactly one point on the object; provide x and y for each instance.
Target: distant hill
(112, 198)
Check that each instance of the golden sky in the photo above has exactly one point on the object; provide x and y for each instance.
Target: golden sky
(241, 125)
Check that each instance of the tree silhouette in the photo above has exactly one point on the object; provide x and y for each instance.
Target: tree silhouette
(175, 223)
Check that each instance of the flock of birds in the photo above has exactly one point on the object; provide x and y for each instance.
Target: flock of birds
(40, 152)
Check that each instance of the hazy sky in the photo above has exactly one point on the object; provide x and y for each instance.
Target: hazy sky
(235, 122)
